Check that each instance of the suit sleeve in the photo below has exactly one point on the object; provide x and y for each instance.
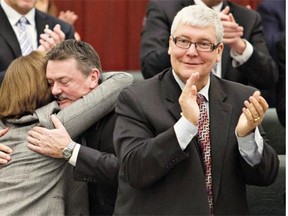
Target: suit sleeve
(143, 157)
(260, 64)
(83, 113)
(154, 41)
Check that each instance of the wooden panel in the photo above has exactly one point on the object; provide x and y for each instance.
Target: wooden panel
(113, 27)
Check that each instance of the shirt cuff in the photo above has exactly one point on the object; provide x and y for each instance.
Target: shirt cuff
(74, 156)
(185, 131)
(251, 147)
(241, 59)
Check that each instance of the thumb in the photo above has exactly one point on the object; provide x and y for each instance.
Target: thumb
(226, 10)
(4, 131)
(56, 122)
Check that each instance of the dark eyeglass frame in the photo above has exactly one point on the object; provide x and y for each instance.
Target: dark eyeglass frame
(196, 44)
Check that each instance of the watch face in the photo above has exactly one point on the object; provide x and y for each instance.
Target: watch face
(67, 154)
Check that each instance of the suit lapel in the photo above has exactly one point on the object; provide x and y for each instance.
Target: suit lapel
(171, 92)
(41, 20)
(219, 112)
(8, 33)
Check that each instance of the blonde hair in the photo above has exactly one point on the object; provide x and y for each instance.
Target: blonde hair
(24, 87)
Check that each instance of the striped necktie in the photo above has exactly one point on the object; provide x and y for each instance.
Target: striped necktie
(203, 136)
(24, 40)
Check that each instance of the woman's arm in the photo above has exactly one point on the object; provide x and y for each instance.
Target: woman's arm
(83, 113)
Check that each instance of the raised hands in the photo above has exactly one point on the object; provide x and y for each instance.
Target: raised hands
(232, 31)
(187, 100)
(252, 115)
(50, 38)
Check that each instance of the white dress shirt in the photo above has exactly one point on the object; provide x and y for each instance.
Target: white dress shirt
(250, 146)
(14, 16)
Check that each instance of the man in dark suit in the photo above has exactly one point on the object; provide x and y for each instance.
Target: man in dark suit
(71, 78)
(10, 12)
(245, 57)
(163, 170)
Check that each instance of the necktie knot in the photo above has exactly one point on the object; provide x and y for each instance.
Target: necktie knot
(22, 22)
(200, 99)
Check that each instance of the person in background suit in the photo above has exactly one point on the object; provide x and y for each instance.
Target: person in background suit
(274, 27)
(32, 184)
(245, 57)
(163, 170)
(48, 6)
(95, 161)
(273, 21)
(281, 85)
(10, 13)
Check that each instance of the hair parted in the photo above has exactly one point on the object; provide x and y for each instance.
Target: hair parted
(84, 54)
(198, 16)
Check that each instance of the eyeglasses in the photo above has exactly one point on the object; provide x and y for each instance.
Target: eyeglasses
(199, 46)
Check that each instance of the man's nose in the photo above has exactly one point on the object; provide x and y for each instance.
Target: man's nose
(192, 50)
(56, 89)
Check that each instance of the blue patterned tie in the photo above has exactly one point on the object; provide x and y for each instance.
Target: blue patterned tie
(24, 40)
(203, 136)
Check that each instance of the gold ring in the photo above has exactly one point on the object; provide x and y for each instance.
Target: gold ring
(256, 119)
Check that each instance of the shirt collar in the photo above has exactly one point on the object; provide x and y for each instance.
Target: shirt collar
(216, 7)
(204, 91)
(14, 16)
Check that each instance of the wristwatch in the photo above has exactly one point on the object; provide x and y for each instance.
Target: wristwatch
(68, 150)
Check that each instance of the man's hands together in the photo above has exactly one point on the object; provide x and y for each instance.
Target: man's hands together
(232, 32)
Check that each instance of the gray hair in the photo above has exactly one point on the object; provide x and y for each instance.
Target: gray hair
(199, 16)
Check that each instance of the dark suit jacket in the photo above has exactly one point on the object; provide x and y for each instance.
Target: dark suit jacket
(9, 45)
(98, 166)
(273, 21)
(281, 85)
(157, 178)
(259, 71)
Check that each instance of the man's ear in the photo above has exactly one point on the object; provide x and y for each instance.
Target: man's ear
(95, 78)
(219, 50)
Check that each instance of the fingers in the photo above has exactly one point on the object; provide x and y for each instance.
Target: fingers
(3, 131)
(5, 152)
(51, 38)
(187, 99)
(256, 106)
(56, 122)
(68, 16)
(226, 10)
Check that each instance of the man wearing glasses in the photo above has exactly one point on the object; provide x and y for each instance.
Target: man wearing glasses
(245, 57)
(189, 142)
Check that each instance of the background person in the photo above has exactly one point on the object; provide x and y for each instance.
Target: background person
(48, 6)
(10, 13)
(176, 159)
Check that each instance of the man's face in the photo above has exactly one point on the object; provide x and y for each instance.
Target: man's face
(188, 61)
(67, 82)
(21, 6)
